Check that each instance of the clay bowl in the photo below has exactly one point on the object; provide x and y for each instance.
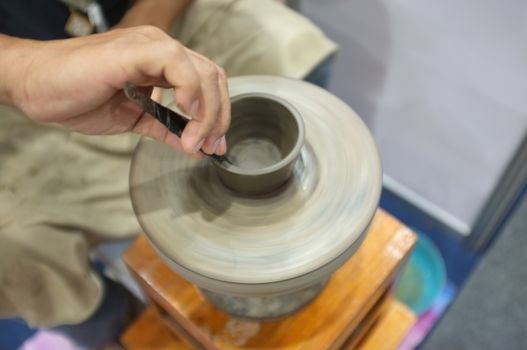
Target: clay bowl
(265, 139)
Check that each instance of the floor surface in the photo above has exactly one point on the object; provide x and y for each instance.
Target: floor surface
(490, 312)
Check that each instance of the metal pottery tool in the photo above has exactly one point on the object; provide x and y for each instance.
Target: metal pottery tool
(174, 122)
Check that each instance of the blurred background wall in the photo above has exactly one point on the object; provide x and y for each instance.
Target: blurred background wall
(443, 87)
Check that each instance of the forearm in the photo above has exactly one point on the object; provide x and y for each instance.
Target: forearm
(159, 13)
(14, 54)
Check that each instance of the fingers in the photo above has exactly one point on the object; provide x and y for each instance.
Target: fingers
(181, 74)
(216, 137)
(156, 59)
(151, 127)
(157, 95)
(225, 116)
(200, 90)
(210, 123)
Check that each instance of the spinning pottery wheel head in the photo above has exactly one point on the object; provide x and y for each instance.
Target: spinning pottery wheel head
(273, 244)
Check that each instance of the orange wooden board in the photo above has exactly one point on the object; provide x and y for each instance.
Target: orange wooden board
(369, 319)
(149, 332)
(392, 325)
(324, 324)
(390, 329)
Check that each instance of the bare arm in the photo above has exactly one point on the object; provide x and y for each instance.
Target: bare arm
(78, 83)
(10, 52)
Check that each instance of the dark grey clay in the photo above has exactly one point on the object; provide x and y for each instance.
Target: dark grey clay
(264, 141)
(264, 307)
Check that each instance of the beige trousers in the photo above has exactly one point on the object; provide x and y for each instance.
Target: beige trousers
(61, 192)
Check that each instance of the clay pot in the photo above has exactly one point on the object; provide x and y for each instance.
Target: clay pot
(265, 138)
(261, 237)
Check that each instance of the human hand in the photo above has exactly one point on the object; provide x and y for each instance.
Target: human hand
(78, 83)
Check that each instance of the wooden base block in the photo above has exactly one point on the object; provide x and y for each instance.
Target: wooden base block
(149, 331)
(389, 329)
(327, 323)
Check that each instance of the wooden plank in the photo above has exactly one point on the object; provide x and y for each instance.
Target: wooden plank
(373, 315)
(390, 329)
(393, 321)
(149, 332)
(325, 324)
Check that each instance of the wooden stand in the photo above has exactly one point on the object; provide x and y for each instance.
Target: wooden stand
(355, 309)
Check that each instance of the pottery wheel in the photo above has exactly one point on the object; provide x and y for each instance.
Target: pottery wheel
(215, 236)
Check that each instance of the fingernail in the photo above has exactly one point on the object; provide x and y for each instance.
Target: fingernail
(216, 146)
(194, 108)
(199, 145)
(223, 145)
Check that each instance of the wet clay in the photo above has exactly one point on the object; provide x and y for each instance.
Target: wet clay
(254, 153)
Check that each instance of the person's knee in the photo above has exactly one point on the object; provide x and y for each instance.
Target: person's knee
(256, 37)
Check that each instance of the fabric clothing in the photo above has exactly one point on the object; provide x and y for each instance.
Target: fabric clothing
(61, 192)
(46, 19)
(253, 37)
(106, 325)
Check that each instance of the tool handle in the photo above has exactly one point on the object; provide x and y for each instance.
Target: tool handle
(174, 122)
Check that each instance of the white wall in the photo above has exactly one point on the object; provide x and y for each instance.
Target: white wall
(441, 84)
